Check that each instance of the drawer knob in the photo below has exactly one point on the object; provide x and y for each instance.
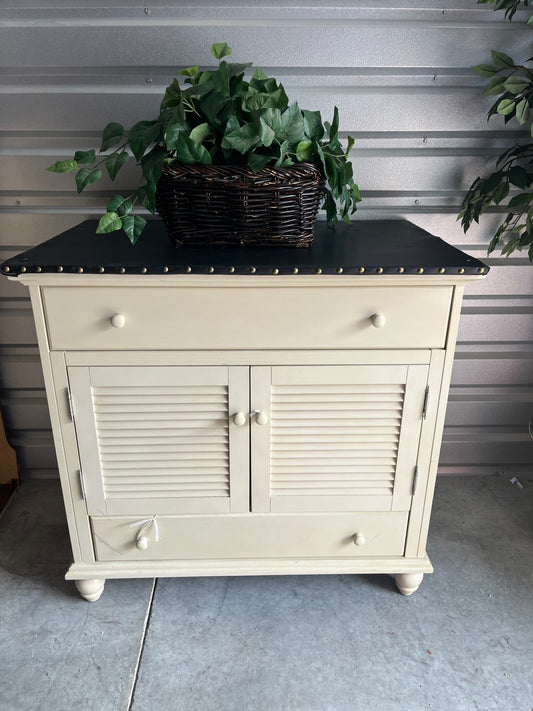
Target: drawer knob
(118, 320)
(378, 320)
(142, 543)
(359, 539)
(261, 418)
(239, 419)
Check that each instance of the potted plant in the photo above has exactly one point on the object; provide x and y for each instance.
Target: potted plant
(228, 160)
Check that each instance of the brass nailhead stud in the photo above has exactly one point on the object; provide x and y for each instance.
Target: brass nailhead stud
(231, 270)
(144, 270)
(188, 270)
(361, 270)
(6, 269)
(22, 270)
(461, 270)
(340, 270)
(252, 270)
(295, 270)
(442, 270)
(165, 270)
(122, 270)
(379, 270)
(420, 270)
(275, 271)
(318, 271)
(480, 270)
(401, 270)
(80, 270)
(38, 269)
(211, 270)
(59, 269)
(101, 270)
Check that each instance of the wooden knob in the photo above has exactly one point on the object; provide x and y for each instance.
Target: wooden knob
(378, 320)
(142, 543)
(118, 320)
(261, 418)
(239, 419)
(359, 539)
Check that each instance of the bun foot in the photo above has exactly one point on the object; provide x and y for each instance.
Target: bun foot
(408, 583)
(90, 589)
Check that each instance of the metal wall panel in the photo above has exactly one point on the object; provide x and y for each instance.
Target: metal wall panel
(401, 76)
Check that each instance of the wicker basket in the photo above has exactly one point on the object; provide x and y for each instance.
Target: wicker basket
(231, 205)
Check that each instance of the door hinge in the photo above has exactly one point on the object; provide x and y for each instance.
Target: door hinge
(82, 487)
(425, 405)
(415, 480)
(70, 408)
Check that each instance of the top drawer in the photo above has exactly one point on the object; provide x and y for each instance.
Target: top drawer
(203, 317)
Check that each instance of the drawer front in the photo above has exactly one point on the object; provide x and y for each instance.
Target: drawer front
(252, 536)
(193, 318)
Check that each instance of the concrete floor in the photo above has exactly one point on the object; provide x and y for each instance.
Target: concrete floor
(463, 641)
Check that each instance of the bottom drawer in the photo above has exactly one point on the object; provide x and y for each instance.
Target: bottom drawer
(252, 536)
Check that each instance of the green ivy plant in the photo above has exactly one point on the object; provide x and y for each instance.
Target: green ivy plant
(218, 117)
(511, 183)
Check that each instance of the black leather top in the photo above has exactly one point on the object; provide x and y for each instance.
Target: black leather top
(363, 247)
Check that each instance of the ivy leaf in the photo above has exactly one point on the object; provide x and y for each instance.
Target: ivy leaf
(171, 135)
(189, 72)
(220, 49)
(172, 95)
(334, 128)
(114, 163)
(86, 176)
(143, 134)
(351, 142)
(502, 60)
(313, 125)
(119, 205)
(304, 150)
(235, 70)
(257, 162)
(523, 111)
(152, 164)
(63, 166)
(331, 208)
(200, 132)
(244, 138)
(190, 152)
(87, 157)
(214, 108)
(266, 134)
(506, 106)
(146, 196)
(109, 223)
(272, 118)
(293, 124)
(133, 225)
(282, 153)
(485, 70)
(111, 135)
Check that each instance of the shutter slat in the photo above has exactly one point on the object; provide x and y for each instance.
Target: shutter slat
(334, 440)
(157, 442)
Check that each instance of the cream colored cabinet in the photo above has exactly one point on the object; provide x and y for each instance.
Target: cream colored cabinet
(215, 423)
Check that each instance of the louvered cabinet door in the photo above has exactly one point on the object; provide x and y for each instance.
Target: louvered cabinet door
(161, 439)
(335, 438)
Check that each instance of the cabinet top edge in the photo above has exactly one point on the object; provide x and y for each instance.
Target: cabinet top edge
(242, 281)
(363, 248)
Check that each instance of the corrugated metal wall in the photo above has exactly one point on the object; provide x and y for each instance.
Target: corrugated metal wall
(400, 75)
